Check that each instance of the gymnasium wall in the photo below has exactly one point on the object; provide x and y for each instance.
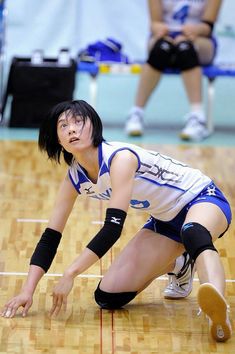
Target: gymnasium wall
(52, 24)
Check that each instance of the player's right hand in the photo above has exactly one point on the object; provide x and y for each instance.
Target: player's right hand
(24, 300)
(159, 29)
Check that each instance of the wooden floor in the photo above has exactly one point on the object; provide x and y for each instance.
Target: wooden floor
(149, 324)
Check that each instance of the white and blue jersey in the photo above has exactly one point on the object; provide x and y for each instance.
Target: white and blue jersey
(162, 185)
(179, 12)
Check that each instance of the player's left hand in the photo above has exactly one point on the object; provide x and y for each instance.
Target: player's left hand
(60, 294)
(191, 31)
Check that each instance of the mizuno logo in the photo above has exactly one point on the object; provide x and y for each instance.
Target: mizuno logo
(88, 190)
(115, 220)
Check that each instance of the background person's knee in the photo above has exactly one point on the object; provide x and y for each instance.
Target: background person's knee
(160, 55)
(113, 301)
(186, 56)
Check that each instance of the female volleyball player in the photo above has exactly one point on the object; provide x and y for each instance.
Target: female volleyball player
(187, 211)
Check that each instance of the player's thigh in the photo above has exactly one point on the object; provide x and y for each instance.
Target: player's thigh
(206, 49)
(145, 257)
(210, 216)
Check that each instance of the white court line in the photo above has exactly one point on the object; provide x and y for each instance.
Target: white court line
(163, 277)
(52, 274)
(32, 220)
(97, 222)
(46, 221)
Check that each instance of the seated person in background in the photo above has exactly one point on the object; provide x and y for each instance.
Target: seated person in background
(181, 38)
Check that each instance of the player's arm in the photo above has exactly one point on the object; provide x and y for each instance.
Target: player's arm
(210, 16)
(122, 171)
(158, 27)
(212, 10)
(45, 250)
(64, 203)
(155, 10)
(205, 27)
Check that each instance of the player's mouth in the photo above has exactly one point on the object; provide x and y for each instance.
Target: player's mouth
(73, 139)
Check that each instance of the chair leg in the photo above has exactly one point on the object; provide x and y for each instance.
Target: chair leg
(210, 103)
(93, 91)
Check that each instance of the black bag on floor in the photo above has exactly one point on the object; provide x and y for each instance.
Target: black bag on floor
(35, 88)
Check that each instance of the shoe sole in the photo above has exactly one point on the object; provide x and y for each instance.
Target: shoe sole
(169, 297)
(135, 133)
(187, 137)
(177, 297)
(215, 307)
(184, 137)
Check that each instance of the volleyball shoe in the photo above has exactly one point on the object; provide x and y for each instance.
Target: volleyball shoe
(214, 305)
(134, 124)
(180, 283)
(195, 128)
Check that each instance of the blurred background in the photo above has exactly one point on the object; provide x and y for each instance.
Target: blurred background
(49, 26)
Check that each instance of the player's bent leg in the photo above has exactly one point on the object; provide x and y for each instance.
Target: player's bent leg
(206, 49)
(147, 256)
(198, 241)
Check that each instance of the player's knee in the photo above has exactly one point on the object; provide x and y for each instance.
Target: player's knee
(186, 56)
(112, 301)
(161, 54)
(196, 239)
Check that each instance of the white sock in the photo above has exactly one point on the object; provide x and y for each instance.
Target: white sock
(179, 262)
(197, 108)
(138, 110)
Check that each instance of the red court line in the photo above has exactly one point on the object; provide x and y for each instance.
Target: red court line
(101, 273)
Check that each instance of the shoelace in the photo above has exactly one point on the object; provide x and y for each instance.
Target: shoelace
(172, 281)
(193, 121)
(136, 118)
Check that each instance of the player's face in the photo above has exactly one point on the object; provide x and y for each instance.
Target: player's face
(74, 134)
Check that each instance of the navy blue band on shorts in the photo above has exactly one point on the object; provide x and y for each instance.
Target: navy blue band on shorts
(210, 194)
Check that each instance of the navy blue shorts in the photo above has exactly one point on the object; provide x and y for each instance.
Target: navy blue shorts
(210, 194)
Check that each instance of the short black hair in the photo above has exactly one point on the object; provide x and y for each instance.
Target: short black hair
(48, 139)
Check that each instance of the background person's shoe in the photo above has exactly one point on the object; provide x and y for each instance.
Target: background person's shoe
(180, 284)
(195, 128)
(134, 124)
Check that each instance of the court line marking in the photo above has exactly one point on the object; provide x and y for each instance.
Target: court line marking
(163, 277)
(32, 220)
(51, 274)
(46, 220)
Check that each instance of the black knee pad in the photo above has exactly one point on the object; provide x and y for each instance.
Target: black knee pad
(196, 239)
(112, 301)
(186, 56)
(161, 54)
